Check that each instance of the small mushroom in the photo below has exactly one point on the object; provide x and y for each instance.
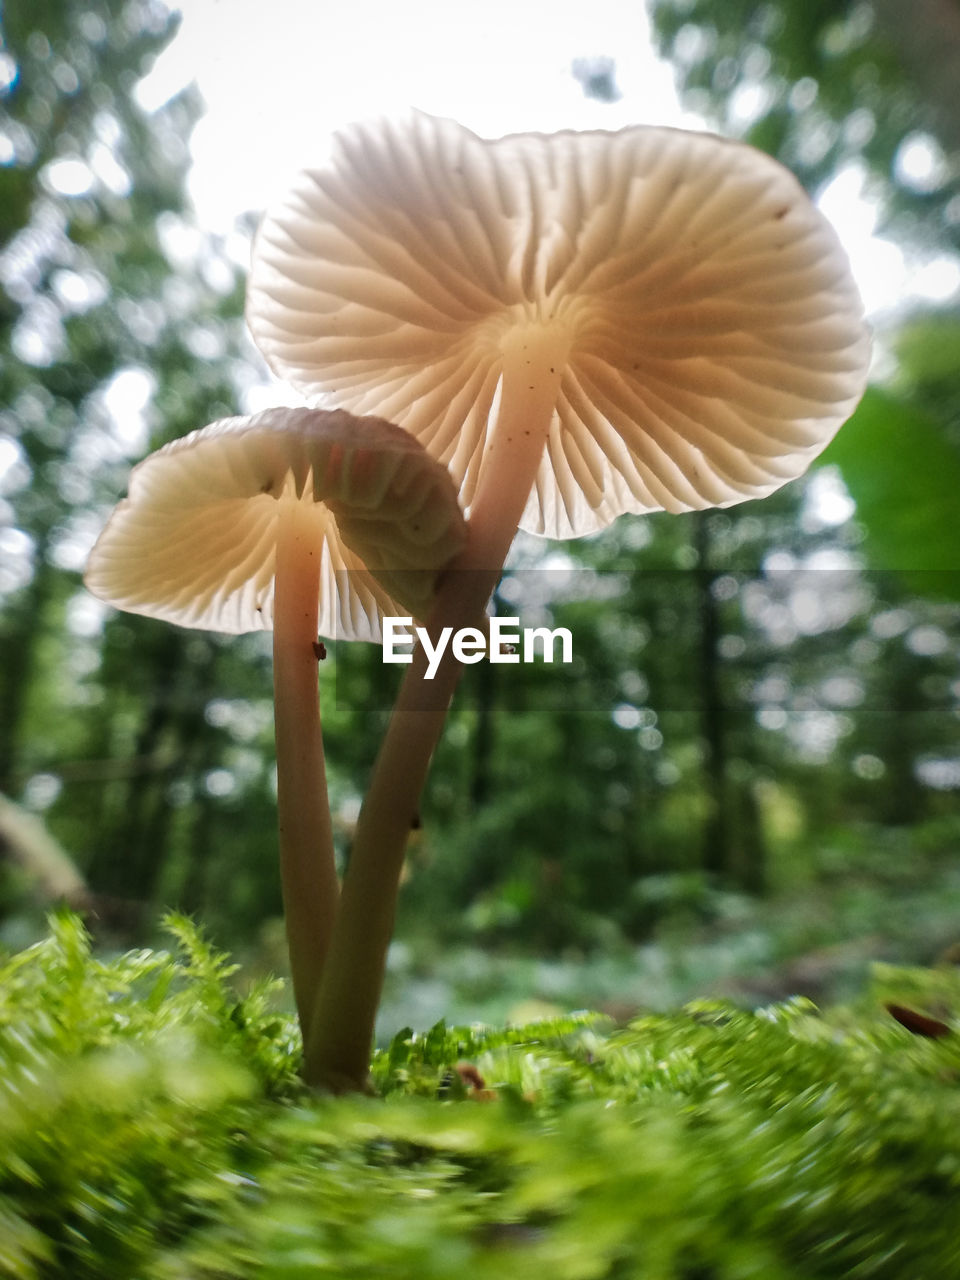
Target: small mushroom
(302, 521)
(577, 325)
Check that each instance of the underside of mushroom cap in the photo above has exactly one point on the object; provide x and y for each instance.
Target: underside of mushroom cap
(194, 542)
(713, 336)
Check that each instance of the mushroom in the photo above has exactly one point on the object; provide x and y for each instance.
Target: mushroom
(578, 325)
(305, 522)
(651, 319)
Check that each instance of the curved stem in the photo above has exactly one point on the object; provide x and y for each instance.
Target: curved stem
(307, 869)
(341, 1031)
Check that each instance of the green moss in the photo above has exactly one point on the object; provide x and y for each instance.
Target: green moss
(152, 1126)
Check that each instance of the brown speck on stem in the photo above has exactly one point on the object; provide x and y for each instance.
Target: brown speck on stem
(415, 823)
(320, 649)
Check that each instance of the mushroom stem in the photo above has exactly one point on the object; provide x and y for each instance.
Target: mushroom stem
(307, 869)
(341, 1031)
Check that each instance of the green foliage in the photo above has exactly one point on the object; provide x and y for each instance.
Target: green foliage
(420, 1064)
(825, 84)
(904, 475)
(866, 893)
(82, 1004)
(151, 1126)
(557, 793)
(107, 284)
(118, 1081)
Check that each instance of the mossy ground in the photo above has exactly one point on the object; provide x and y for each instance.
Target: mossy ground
(152, 1126)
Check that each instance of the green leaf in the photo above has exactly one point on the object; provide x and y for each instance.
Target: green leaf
(400, 1048)
(928, 350)
(904, 477)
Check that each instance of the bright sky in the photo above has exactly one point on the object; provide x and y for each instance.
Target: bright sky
(276, 89)
(278, 76)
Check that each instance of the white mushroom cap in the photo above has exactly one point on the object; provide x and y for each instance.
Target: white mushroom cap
(195, 541)
(716, 336)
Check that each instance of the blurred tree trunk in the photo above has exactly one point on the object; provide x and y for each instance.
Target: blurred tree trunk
(194, 893)
(752, 850)
(485, 686)
(484, 743)
(18, 656)
(716, 835)
(127, 864)
(193, 756)
(926, 40)
(902, 802)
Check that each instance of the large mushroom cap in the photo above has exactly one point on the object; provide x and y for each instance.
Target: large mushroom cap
(195, 540)
(716, 338)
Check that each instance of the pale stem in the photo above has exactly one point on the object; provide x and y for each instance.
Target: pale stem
(341, 1032)
(307, 869)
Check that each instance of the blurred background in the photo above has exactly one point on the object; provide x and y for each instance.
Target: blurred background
(748, 780)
